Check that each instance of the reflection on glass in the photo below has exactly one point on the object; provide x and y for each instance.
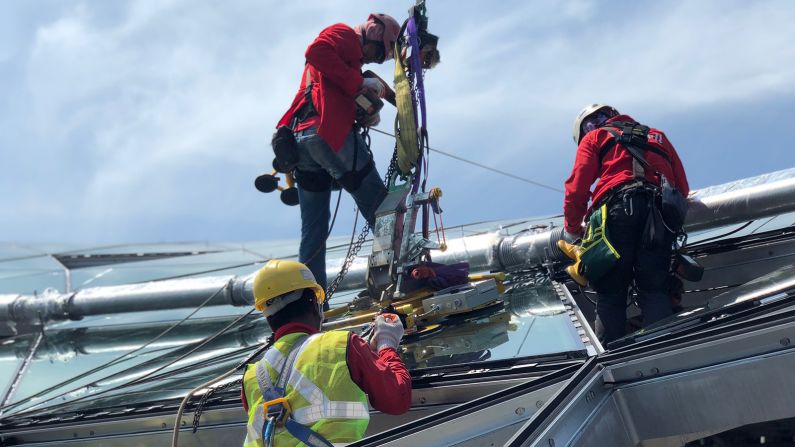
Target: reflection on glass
(771, 284)
(102, 356)
(529, 321)
(765, 289)
(13, 352)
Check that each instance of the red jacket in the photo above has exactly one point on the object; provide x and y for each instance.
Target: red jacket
(334, 62)
(614, 170)
(383, 377)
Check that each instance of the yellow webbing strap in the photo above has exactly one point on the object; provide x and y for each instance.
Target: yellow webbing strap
(407, 146)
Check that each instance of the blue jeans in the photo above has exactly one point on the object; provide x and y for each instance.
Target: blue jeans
(314, 155)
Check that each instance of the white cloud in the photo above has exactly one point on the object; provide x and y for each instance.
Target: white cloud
(138, 112)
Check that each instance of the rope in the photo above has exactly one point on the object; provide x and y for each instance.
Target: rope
(204, 342)
(115, 360)
(488, 168)
(208, 384)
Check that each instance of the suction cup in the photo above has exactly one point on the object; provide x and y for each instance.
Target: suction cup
(290, 196)
(266, 183)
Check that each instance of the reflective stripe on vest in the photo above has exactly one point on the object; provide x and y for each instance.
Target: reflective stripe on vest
(338, 412)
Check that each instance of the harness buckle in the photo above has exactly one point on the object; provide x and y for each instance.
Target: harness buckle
(278, 409)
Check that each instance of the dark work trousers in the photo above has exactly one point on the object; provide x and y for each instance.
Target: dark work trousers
(626, 219)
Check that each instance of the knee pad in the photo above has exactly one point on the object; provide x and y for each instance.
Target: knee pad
(314, 181)
(352, 180)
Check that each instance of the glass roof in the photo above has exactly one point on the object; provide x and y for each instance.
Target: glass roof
(100, 366)
(145, 357)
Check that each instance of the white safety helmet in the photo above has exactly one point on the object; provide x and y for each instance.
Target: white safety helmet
(582, 125)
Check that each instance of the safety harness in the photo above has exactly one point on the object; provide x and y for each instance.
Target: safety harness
(596, 255)
(276, 407)
(634, 137)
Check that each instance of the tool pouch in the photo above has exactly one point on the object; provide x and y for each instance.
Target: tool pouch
(674, 206)
(285, 149)
(597, 256)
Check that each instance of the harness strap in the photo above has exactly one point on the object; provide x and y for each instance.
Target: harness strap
(638, 159)
(308, 108)
(625, 138)
(271, 392)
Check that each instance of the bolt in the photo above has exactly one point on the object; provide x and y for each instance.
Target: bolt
(520, 411)
(74, 435)
(163, 425)
(592, 394)
(551, 442)
(539, 404)
(785, 341)
(639, 374)
(655, 371)
(91, 433)
(423, 400)
(184, 423)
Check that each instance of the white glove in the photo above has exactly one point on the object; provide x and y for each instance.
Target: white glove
(375, 85)
(371, 121)
(388, 331)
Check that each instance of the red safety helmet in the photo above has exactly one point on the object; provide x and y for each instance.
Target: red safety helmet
(382, 28)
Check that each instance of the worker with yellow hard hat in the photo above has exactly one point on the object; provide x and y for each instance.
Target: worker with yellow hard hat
(312, 387)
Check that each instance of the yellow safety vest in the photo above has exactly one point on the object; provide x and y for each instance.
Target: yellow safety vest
(320, 391)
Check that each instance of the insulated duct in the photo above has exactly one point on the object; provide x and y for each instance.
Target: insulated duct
(31, 310)
(712, 207)
(736, 202)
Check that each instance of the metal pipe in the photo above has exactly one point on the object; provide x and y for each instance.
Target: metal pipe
(735, 202)
(30, 310)
(712, 207)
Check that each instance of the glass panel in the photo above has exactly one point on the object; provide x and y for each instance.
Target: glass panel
(26, 273)
(214, 264)
(766, 289)
(13, 352)
(530, 321)
(31, 282)
(84, 361)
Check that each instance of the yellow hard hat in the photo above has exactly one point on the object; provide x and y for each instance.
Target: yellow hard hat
(274, 283)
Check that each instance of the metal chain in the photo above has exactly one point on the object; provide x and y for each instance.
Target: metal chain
(210, 391)
(353, 250)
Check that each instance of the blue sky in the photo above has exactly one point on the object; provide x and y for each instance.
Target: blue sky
(147, 121)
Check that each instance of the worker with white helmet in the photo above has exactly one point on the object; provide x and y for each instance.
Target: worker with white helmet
(312, 387)
(323, 121)
(630, 235)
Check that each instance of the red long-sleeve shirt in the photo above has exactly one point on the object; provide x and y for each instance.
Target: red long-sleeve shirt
(334, 62)
(383, 376)
(614, 170)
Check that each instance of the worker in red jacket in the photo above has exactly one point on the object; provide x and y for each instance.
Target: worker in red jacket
(328, 378)
(323, 117)
(627, 186)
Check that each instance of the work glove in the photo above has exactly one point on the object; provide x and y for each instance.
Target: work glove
(574, 270)
(374, 85)
(370, 120)
(388, 332)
